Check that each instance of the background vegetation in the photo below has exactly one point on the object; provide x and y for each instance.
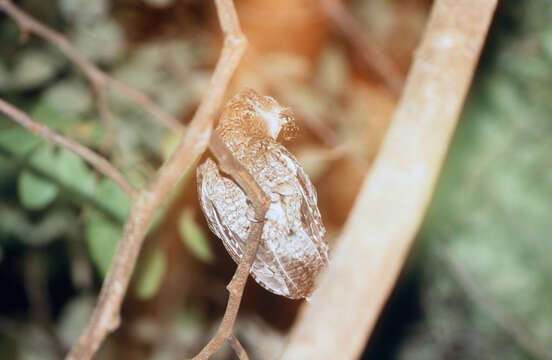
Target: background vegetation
(478, 284)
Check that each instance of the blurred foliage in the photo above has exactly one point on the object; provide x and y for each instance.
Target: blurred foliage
(193, 236)
(49, 197)
(481, 267)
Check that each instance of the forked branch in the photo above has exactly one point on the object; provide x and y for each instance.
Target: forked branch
(260, 203)
(106, 314)
(105, 317)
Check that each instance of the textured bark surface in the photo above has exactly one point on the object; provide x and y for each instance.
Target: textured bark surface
(395, 194)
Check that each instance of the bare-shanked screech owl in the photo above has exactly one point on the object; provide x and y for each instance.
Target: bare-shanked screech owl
(293, 250)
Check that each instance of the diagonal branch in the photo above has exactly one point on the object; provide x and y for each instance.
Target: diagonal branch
(94, 159)
(260, 203)
(105, 317)
(100, 80)
(372, 248)
(238, 348)
(370, 52)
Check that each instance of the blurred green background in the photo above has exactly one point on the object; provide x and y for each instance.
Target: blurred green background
(478, 284)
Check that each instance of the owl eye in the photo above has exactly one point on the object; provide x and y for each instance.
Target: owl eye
(287, 117)
(289, 129)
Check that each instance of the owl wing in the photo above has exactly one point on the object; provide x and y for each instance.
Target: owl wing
(310, 215)
(229, 217)
(293, 236)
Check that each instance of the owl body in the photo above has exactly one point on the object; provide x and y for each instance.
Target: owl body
(293, 250)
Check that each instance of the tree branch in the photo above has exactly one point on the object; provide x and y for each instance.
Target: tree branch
(371, 53)
(370, 254)
(238, 348)
(94, 159)
(99, 80)
(105, 317)
(260, 203)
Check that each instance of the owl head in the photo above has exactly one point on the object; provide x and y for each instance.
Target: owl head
(266, 115)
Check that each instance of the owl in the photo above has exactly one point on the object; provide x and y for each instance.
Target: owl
(293, 250)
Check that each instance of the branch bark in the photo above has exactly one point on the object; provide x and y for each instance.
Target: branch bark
(372, 248)
(105, 317)
(238, 348)
(370, 52)
(94, 159)
(260, 203)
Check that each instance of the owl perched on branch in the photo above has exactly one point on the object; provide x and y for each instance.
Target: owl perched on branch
(293, 250)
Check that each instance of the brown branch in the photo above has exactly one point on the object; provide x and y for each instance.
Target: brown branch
(105, 317)
(94, 159)
(372, 248)
(373, 55)
(238, 348)
(100, 80)
(260, 203)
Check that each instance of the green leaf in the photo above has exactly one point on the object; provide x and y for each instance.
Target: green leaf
(67, 97)
(73, 319)
(101, 41)
(102, 237)
(35, 192)
(113, 198)
(193, 236)
(19, 141)
(151, 275)
(54, 224)
(33, 69)
(83, 12)
(65, 167)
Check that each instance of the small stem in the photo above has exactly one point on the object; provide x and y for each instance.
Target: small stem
(260, 202)
(372, 54)
(94, 159)
(237, 346)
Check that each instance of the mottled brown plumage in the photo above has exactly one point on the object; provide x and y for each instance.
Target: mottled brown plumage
(293, 250)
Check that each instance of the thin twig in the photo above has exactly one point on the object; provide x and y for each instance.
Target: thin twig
(260, 203)
(105, 317)
(371, 53)
(370, 254)
(94, 159)
(238, 348)
(100, 80)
